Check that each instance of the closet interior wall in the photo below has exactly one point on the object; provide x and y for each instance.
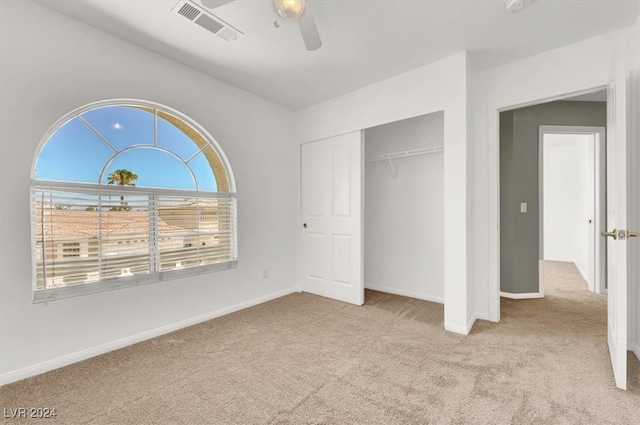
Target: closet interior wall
(403, 208)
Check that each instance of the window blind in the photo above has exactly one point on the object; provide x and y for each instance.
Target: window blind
(83, 235)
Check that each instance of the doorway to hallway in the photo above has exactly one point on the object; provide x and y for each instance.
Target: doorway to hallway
(572, 200)
(521, 188)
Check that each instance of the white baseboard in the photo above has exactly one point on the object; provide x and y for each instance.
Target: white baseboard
(472, 321)
(636, 350)
(17, 375)
(464, 330)
(404, 293)
(455, 328)
(483, 316)
(515, 296)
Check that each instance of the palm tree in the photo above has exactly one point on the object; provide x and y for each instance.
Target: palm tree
(122, 177)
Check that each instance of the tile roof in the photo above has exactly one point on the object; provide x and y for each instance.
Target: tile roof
(77, 223)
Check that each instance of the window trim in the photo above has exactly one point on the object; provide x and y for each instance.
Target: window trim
(88, 288)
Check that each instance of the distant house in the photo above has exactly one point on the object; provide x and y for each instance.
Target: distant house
(88, 245)
(203, 214)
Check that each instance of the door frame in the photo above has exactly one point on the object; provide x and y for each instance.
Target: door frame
(600, 211)
(494, 179)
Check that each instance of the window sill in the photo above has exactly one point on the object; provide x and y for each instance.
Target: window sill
(53, 294)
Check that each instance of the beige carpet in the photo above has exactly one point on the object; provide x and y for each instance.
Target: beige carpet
(303, 359)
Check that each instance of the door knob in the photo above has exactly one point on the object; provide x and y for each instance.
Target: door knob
(632, 234)
(304, 225)
(613, 234)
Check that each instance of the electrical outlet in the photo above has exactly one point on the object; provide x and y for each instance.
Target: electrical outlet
(523, 207)
(265, 273)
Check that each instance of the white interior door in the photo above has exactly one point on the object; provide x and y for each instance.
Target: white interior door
(617, 225)
(332, 218)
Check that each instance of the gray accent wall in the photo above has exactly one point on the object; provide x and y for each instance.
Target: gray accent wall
(519, 233)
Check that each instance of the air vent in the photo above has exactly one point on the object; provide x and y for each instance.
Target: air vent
(205, 19)
(188, 11)
(228, 33)
(208, 23)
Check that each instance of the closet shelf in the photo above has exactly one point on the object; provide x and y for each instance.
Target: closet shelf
(404, 154)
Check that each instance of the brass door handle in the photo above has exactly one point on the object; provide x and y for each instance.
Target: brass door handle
(632, 234)
(613, 234)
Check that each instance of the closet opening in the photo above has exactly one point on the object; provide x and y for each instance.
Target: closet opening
(404, 209)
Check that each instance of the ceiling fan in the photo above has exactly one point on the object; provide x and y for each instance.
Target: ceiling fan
(291, 10)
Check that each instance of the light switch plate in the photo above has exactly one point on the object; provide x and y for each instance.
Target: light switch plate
(523, 207)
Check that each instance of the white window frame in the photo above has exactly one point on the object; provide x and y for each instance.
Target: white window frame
(42, 295)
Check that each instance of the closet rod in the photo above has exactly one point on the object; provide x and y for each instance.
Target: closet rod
(404, 154)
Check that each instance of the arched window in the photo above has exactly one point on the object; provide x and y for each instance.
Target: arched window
(128, 192)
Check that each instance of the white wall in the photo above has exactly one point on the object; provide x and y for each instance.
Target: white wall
(470, 166)
(441, 86)
(547, 76)
(568, 202)
(403, 215)
(51, 65)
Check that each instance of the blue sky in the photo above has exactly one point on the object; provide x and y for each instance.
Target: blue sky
(75, 153)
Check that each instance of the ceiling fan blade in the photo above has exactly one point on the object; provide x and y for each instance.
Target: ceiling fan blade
(212, 4)
(308, 29)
